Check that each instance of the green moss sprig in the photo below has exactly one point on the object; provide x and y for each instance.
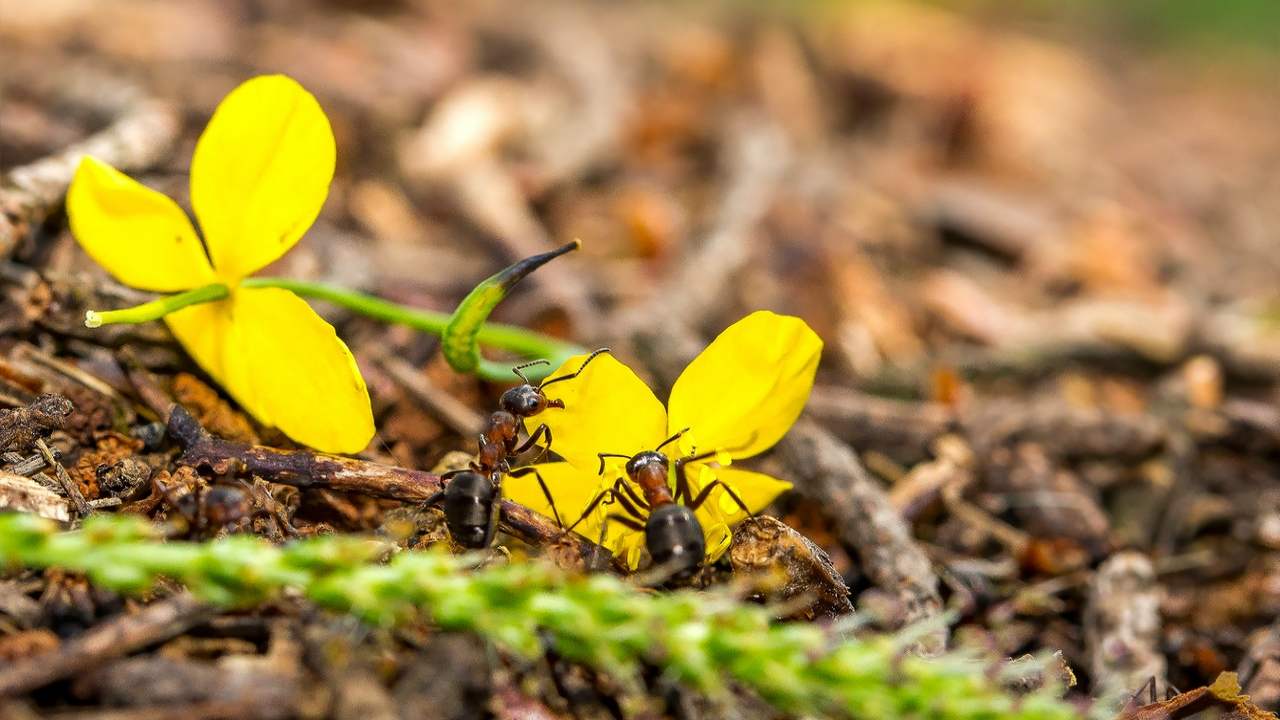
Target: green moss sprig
(700, 638)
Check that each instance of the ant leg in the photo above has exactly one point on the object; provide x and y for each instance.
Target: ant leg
(602, 456)
(1147, 688)
(697, 502)
(682, 475)
(626, 503)
(435, 498)
(521, 472)
(624, 521)
(631, 493)
(591, 506)
(533, 440)
(581, 367)
(454, 473)
(529, 364)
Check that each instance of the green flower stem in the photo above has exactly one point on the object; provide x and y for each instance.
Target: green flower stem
(526, 343)
(507, 337)
(700, 638)
(156, 309)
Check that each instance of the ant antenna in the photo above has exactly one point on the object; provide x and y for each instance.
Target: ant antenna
(671, 439)
(582, 367)
(531, 363)
(602, 456)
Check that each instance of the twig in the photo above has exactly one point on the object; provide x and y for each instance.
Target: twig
(147, 387)
(1063, 431)
(1122, 627)
(866, 522)
(25, 495)
(901, 429)
(69, 486)
(758, 159)
(66, 369)
(306, 469)
(29, 466)
(141, 133)
(112, 639)
(455, 413)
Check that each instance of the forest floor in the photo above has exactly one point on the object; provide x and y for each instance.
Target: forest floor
(1046, 274)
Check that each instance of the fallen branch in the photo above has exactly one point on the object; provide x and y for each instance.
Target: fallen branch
(867, 523)
(307, 469)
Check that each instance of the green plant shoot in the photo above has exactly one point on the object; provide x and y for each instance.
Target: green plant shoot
(459, 342)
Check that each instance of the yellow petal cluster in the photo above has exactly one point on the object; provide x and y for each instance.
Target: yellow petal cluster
(259, 177)
(739, 396)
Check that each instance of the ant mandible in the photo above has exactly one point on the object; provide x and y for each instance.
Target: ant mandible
(470, 500)
(672, 533)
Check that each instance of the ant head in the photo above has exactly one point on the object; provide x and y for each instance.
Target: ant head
(524, 401)
(645, 460)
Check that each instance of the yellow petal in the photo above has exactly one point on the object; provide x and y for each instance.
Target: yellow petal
(627, 544)
(756, 490)
(260, 173)
(606, 409)
(715, 525)
(718, 537)
(571, 488)
(140, 236)
(283, 363)
(744, 391)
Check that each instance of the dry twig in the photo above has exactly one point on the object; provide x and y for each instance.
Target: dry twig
(306, 469)
(866, 522)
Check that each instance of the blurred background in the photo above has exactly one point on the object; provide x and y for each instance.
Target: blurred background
(1073, 206)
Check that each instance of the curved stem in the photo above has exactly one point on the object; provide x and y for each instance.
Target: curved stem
(459, 341)
(156, 309)
(508, 337)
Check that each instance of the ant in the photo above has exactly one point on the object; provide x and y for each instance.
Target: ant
(672, 533)
(470, 499)
(206, 508)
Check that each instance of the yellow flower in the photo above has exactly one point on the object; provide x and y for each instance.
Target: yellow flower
(259, 176)
(738, 397)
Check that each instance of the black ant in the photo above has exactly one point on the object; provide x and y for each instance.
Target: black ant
(470, 499)
(207, 508)
(672, 533)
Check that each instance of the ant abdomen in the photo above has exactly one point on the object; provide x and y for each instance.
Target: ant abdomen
(469, 502)
(674, 538)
